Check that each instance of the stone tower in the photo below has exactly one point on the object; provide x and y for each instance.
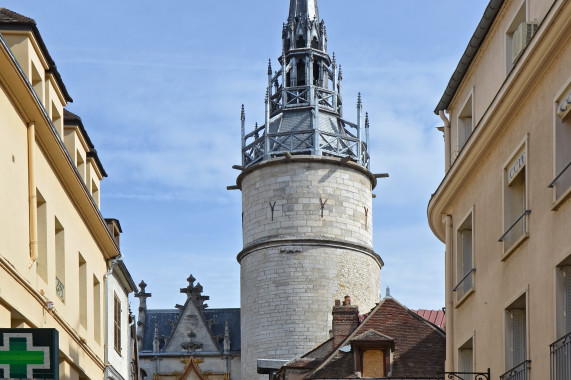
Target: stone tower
(306, 200)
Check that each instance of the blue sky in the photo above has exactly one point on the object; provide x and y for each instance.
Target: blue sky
(159, 86)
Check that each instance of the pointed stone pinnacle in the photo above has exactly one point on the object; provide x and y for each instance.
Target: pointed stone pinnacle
(270, 66)
(243, 114)
(340, 73)
(366, 120)
(359, 102)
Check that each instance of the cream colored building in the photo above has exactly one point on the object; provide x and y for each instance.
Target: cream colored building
(503, 207)
(54, 243)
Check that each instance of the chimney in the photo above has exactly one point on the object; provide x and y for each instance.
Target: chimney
(345, 320)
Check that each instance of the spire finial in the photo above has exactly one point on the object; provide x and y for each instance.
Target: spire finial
(340, 73)
(333, 61)
(269, 66)
(388, 293)
(242, 114)
(267, 96)
(366, 120)
(359, 102)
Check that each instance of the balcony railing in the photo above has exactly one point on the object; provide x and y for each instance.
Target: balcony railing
(512, 234)
(465, 284)
(519, 372)
(561, 358)
(562, 180)
(468, 375)
(60, 289)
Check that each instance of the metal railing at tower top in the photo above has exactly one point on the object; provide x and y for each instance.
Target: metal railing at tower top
(560, 352)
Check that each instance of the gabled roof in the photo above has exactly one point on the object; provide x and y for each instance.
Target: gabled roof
(420, 346)
(473, 46)
(372, 335)
(15, 21)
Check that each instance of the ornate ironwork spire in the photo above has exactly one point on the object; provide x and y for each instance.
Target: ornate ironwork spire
(303, 102)
(303, 9)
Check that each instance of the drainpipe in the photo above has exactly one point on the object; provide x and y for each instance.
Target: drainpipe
(32, 195)
(447, 142)
(449, 303)
(112, 264)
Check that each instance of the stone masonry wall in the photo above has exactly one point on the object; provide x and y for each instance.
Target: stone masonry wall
(294, 189)
(296, 265)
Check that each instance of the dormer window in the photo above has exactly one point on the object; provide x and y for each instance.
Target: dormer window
(372, 352)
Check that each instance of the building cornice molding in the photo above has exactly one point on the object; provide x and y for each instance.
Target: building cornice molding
(329, 243)
(550, 37)
(284, 160)
(29, 107)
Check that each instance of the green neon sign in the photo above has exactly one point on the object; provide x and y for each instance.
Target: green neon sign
(29, 353)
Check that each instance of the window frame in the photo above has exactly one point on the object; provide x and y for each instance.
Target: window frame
(560, 120)
(509, 32)
(508, 225)
(461, 137)
(515, 304)
(459, 254)
(467, 345)
(117, 323)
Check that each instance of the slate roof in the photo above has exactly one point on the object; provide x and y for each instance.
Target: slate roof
(473, 46)
(15, 21)
(69, 118)
(165, 317)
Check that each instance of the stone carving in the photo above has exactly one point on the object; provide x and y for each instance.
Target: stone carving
(191, 346)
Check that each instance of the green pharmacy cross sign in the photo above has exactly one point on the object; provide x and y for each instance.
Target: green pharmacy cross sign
(29, 353)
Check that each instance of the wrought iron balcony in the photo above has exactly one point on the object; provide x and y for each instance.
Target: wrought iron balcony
(465, 284)
(561, 358)
(60, 289)
(562, 180)
(519, 372)
(468, 375)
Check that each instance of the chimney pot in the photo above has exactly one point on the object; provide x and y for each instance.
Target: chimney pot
(337, 302)
(347, 301)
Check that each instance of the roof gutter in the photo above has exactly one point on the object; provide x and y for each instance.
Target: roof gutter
(476, 41)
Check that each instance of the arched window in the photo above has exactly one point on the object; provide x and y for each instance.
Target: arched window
(315, 43)
(300, 43)
(316, 71)
(301, 73)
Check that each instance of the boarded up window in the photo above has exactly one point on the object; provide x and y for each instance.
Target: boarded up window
(373, 363)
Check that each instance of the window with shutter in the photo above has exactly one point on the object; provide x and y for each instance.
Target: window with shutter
(117, 325)
(464, 258)
(516, 334)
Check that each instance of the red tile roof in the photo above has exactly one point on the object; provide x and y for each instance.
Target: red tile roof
(433, 316)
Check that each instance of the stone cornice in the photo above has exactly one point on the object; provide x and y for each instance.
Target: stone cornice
(551, 36)
(284, 160)
(274, 243)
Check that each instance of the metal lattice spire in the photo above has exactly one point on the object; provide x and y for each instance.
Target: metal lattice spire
(303, 9)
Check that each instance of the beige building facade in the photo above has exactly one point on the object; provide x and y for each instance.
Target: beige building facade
(503, 207)
(55, 246)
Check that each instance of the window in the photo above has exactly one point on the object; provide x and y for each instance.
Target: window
(562, 181)
(466, 359)
(82, 291)
(515, 202)
(80, 163)
(95, 192)
(96, 310)
(464, 258)
(37, 83)
(117, 325)
(516, 334)
(373, 363)
(465, 123)
(42, 220)
(560, 348)
(511, 58)
(60, 259)
(57, 120)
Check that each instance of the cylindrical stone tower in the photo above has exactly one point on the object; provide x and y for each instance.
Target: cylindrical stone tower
(306, 201)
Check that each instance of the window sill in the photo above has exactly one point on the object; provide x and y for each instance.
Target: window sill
(464, 297)
(514, 246)
(559, 202)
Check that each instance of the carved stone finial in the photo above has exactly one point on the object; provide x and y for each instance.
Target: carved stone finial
(270, 66)
(334, 61)
(359, 102)
(243, 114)
(340, 77)
(191, 280)
(366, 120)
(142, 286)
(227, 338)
